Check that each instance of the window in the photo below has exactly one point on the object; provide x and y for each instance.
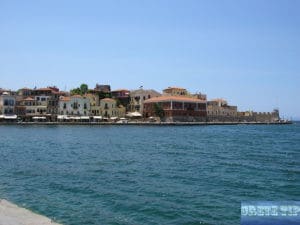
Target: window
(75, 105)
(65, 105)
(85, 106)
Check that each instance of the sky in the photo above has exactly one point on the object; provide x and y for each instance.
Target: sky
(247, 51)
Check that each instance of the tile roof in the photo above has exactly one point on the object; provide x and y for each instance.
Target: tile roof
(64, 99)
(76, 96)
(174, 98)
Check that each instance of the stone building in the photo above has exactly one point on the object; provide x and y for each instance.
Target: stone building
(138, 97)
(219, 110)
(176, 109)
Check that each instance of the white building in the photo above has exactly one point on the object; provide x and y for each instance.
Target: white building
(74, 105)
(7, 104)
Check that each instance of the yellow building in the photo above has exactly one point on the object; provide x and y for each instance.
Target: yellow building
(110, 109)
(95, 104)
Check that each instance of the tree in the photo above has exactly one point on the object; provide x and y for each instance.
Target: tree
(84, 88)
(76, 91)
(158, 110)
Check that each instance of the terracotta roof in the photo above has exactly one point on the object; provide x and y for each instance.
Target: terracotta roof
(76, 96)
(64, 99)
(89, 94)
(108, 100)
(174, 98)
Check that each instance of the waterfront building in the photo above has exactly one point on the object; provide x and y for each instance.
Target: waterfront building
(25, 92)
(76, 105)
(45, 102)
(138, 97)
(122, 97)
(30, 108)
(176, 108)
(95, 104)
(219, 110)
(110, 109)
(7, 105)
(50, 97)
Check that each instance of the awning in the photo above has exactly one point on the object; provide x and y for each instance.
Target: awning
(134, 114)
(75, 117)
(39, 117)
(11, 117)
(97, 117)
(85, 117)
(63, 117)
(113, 118)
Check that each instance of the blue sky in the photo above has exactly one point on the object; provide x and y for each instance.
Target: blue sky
(245, 51)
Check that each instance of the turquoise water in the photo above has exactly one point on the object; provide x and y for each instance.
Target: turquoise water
(148, 175)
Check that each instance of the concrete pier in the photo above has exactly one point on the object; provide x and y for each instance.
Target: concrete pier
(11, 214)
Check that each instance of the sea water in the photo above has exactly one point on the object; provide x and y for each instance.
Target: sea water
(148, 174)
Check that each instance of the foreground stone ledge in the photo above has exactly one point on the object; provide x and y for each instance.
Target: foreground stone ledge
(11, 214)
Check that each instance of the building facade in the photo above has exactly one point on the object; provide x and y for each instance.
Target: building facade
(122, 96)
(76, 105)
(219, 110)
(110, 109)
(138, 97)
(7, 104)
(176, 109)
